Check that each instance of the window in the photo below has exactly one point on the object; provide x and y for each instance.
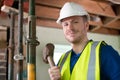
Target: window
(59, 50)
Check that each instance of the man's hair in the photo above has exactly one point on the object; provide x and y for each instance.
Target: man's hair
(85, 18)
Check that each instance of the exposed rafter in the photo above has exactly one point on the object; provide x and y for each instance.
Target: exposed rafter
(105, 15)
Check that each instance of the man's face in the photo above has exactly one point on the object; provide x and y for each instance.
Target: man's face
(75, 28)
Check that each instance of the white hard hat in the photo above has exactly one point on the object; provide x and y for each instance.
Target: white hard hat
(72, 9)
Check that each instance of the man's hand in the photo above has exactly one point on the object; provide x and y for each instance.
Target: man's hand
(54, 73)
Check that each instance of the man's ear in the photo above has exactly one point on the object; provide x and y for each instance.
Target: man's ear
(87, 25)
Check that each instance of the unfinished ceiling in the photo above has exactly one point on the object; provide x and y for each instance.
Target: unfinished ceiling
(105, 14)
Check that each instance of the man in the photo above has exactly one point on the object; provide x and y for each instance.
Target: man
(88, 60)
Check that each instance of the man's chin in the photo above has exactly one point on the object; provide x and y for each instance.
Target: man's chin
(71, 40)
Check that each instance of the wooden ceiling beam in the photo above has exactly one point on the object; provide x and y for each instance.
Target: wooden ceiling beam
(97, 29)
(103, 30)
(46, 12)
(98, 8)
(54, 3)
(116, 9)
(93, 28)
(107, 20)
(91, 6)
(114, 25)
(96, 23)
(47, 23)
(103, 1)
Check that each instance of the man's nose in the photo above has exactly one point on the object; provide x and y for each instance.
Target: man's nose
(70, 26)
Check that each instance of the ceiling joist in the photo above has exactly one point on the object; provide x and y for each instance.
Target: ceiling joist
(105, 15)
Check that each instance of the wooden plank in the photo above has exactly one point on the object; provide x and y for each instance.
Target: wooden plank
(2, 28)
(46, 12)
(54, 3)
(98, 23)
(114, 24)
(96, 28)
(47, 23)
(52, 24)
(3, 35)
(103, 30)
(98, 8)
(91, 6)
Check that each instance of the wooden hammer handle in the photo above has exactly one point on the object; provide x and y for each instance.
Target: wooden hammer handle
(50, 61)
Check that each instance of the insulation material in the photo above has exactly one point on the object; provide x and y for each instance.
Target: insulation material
(11, 3)
(8, 2)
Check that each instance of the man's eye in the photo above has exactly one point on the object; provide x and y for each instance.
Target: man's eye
(65, 24)
(76, 22)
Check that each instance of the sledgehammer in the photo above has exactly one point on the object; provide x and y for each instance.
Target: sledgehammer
(48, 54)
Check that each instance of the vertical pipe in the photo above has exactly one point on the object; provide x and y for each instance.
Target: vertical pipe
(32, 42)
(32, 33)
(32, 7)
(20, 40)
(11, 47)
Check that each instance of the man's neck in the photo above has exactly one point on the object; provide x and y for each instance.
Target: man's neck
(78, 47)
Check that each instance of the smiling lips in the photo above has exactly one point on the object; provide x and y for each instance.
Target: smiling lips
(71, 33)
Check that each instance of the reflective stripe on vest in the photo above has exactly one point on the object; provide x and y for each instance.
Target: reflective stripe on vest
(93, 63)
(91, 66)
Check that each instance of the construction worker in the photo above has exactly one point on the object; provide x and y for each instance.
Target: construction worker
(88, 59)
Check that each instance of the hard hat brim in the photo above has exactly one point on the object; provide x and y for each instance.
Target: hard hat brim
(61, 18)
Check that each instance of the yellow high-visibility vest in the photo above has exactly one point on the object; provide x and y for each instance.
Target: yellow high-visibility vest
(85, 66)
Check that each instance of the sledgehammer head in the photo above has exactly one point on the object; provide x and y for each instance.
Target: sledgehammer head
(48, 52)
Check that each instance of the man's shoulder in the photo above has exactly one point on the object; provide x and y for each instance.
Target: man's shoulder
(110, 62)
(109, 54)
(105, 48)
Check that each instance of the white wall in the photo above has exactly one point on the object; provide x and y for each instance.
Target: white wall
(110, 39)
(46, 35)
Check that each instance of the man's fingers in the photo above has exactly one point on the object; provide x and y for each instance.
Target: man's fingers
(54, 73)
